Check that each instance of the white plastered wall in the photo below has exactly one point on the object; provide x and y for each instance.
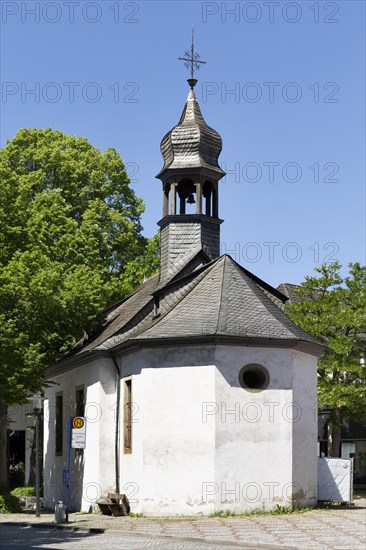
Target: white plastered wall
(93, 470)
(200, 442)
(305, 430)
(253, 431)
(173, 450)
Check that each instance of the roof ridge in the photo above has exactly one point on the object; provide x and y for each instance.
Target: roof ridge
(275, 311)
(181, 264)
(179, 300)
(116, 305)
(221, 302)
(260, 282)
(132, 322)
(158, 319)
(108, 320)
(195, 271)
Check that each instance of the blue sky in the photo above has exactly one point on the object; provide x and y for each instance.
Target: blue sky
(284, 85)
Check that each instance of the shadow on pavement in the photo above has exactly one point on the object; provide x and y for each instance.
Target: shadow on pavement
(35, 537)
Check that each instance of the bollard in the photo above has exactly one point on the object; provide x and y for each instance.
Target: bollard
(60, 512)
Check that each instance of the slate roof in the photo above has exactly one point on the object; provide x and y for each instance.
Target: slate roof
(191, 143)
(219, 300)
(289, 290)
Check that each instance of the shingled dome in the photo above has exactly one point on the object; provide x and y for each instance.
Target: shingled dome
(192, 143)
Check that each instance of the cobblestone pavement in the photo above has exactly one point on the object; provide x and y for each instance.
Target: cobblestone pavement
(25, 538)
(340, 528)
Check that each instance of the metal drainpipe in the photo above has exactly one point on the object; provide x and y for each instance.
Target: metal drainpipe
(116, 435)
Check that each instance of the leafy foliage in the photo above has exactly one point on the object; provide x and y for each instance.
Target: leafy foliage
(24, 492)
(334, 311)
(143, 266)
(16, 474)
(9, 504)
(70, 234)
(279, 510)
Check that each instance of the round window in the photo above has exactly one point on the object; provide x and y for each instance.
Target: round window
(254, 377)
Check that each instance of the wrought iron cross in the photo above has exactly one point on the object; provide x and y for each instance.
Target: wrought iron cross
(192, 59)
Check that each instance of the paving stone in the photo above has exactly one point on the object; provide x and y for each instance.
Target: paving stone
(319, 529)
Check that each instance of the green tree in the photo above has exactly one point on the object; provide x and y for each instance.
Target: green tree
(333, 309)
(70, 234)
(142, 266)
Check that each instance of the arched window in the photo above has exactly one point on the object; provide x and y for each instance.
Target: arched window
(207, 192)
(186, 192)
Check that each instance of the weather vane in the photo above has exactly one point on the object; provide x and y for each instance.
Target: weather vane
(192, 61)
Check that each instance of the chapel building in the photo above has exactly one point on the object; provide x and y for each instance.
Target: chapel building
(200, 393)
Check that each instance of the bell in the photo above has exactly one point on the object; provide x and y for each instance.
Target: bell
(190, 199)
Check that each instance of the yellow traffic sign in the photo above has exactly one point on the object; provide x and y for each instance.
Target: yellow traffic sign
(78, 422)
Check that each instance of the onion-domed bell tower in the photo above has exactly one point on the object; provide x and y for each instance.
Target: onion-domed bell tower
(190, 177)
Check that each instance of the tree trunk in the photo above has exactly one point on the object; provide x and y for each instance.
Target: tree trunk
(336, 429)
(32, 459)
(32, 462)
(4, 482)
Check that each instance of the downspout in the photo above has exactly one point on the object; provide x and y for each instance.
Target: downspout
(116, 434)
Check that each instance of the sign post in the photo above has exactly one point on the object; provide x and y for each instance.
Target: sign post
(66, 473)
(76, 439)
